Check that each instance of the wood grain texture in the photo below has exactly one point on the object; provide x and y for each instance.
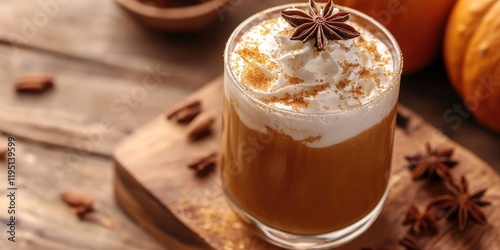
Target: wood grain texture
(45, 221)
(151, 167)
(99, 53)
(86, 98)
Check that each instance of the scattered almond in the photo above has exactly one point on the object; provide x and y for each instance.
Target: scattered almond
(34, 83)
(200, 126)
(99, 219)
(186, 113)
(79, 202)
(204, 165)
(82, 206)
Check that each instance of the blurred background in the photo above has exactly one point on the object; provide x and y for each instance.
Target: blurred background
(123, 62)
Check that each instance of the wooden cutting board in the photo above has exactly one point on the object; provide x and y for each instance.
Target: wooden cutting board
(155, 187)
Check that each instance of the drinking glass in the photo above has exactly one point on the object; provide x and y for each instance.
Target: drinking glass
(300, 194)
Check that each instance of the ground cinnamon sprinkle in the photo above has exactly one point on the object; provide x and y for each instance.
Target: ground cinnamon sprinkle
(322, 87)
(357, 92)
(368, 75)
(266, 24)
(254, 76)
(254, 53)
(293, 80)
(287, 32)
(297, 100)
(343, 46)
(384, 61)
(347, 66)
(342, 84)
(364, 74)
(371, 47)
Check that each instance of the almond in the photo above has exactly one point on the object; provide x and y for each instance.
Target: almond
(200, 126)
(34, 83)
(186, 112)
(204, 165)
(99, 219)
(79, 202)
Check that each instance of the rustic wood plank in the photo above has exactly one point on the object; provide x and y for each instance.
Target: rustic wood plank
(87, 97)
(46, 223)
(200, 205)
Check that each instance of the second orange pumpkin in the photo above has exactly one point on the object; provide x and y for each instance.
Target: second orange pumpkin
(473, 59)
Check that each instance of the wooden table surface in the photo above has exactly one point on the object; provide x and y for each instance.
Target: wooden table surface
(100, 58)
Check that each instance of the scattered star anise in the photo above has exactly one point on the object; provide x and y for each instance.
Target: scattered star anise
(421, 223)
(461, 203)
(436, 163)
(410, 243)
(323, 24)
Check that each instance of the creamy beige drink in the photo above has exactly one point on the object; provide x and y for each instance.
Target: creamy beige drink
(308, 133)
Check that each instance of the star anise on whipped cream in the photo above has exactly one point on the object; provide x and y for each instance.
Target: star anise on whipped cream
(324, 24)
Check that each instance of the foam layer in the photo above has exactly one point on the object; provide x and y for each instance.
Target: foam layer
(343, 81)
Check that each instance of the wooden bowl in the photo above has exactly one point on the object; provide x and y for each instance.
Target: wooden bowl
(189, 18)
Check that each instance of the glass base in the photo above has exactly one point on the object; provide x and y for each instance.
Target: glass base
(320, 241)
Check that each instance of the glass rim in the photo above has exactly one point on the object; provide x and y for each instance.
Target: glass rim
(398, 61)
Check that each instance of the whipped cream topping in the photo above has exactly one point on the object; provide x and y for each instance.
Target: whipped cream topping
(333, 95)
(292, 75)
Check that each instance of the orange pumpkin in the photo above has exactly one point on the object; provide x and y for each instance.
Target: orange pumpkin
(472, 56)
(418, 25)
